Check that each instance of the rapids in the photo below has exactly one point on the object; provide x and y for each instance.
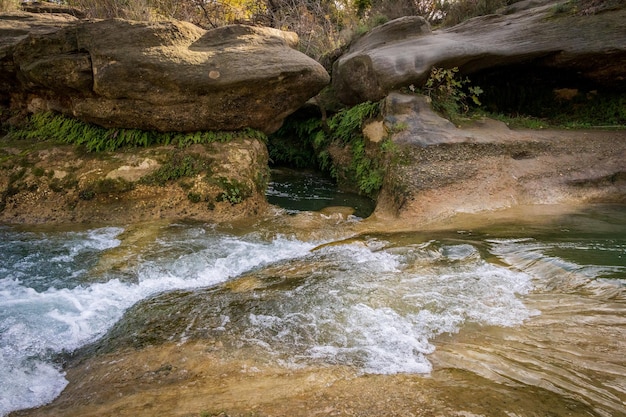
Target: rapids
(515, 308)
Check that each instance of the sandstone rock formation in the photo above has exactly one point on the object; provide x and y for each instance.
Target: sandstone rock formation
(441, 170)
(166, 76)
(535, 34)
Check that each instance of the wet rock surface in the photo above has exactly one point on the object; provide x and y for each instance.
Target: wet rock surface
(440, 170)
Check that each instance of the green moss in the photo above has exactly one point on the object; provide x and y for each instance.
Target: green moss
(194, 197)
(39, 172)
(105, 186)
(179, 165)
(262, 179)
(59, 185)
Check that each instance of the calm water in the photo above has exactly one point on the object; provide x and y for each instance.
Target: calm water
(529, 305)
(298, 191)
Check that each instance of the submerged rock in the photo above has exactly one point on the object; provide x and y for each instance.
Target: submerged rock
(165, 76)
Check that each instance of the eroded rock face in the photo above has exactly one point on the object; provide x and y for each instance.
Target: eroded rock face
(403, 51)
(166, 76)
(441, 170)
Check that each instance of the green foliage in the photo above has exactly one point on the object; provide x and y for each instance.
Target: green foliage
(52, 126)
(361, 7)
(234, 191)
(39, 172)
(370, 23)
(348, 122)
(607, 112)
(311, 139)
(368, 171)
(552, 99)
(603, 110)
(450, 95)
(295, 142)
(567, 7)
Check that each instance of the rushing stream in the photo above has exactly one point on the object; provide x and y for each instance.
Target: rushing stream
(536, 305)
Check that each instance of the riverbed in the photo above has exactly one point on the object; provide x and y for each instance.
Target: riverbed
(304, 313)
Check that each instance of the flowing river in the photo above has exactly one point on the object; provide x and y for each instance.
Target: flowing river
(532, 314)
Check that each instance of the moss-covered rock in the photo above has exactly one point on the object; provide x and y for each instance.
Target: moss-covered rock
(45, 182)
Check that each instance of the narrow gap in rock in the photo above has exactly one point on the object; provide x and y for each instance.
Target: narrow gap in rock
(301, 169)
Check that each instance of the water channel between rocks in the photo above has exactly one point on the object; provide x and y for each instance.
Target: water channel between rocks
(296, 314)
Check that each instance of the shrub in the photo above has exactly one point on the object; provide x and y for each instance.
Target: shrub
(450, 95)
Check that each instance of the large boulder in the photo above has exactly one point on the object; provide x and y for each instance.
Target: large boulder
(538, 33)
(165, 76)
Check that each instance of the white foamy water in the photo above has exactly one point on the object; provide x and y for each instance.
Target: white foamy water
(367, 303)
(379, 310)
(48, 304)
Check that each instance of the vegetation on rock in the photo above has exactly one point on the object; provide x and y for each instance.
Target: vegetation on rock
(178, 165)
(105, 186)
(234, 192)
(451, 95)
(56, 127)
(538, 99)
(336, 147)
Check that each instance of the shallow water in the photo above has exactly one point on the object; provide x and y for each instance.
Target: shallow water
(535, 306)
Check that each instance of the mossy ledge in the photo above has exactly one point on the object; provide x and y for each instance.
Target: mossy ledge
(56, 169)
